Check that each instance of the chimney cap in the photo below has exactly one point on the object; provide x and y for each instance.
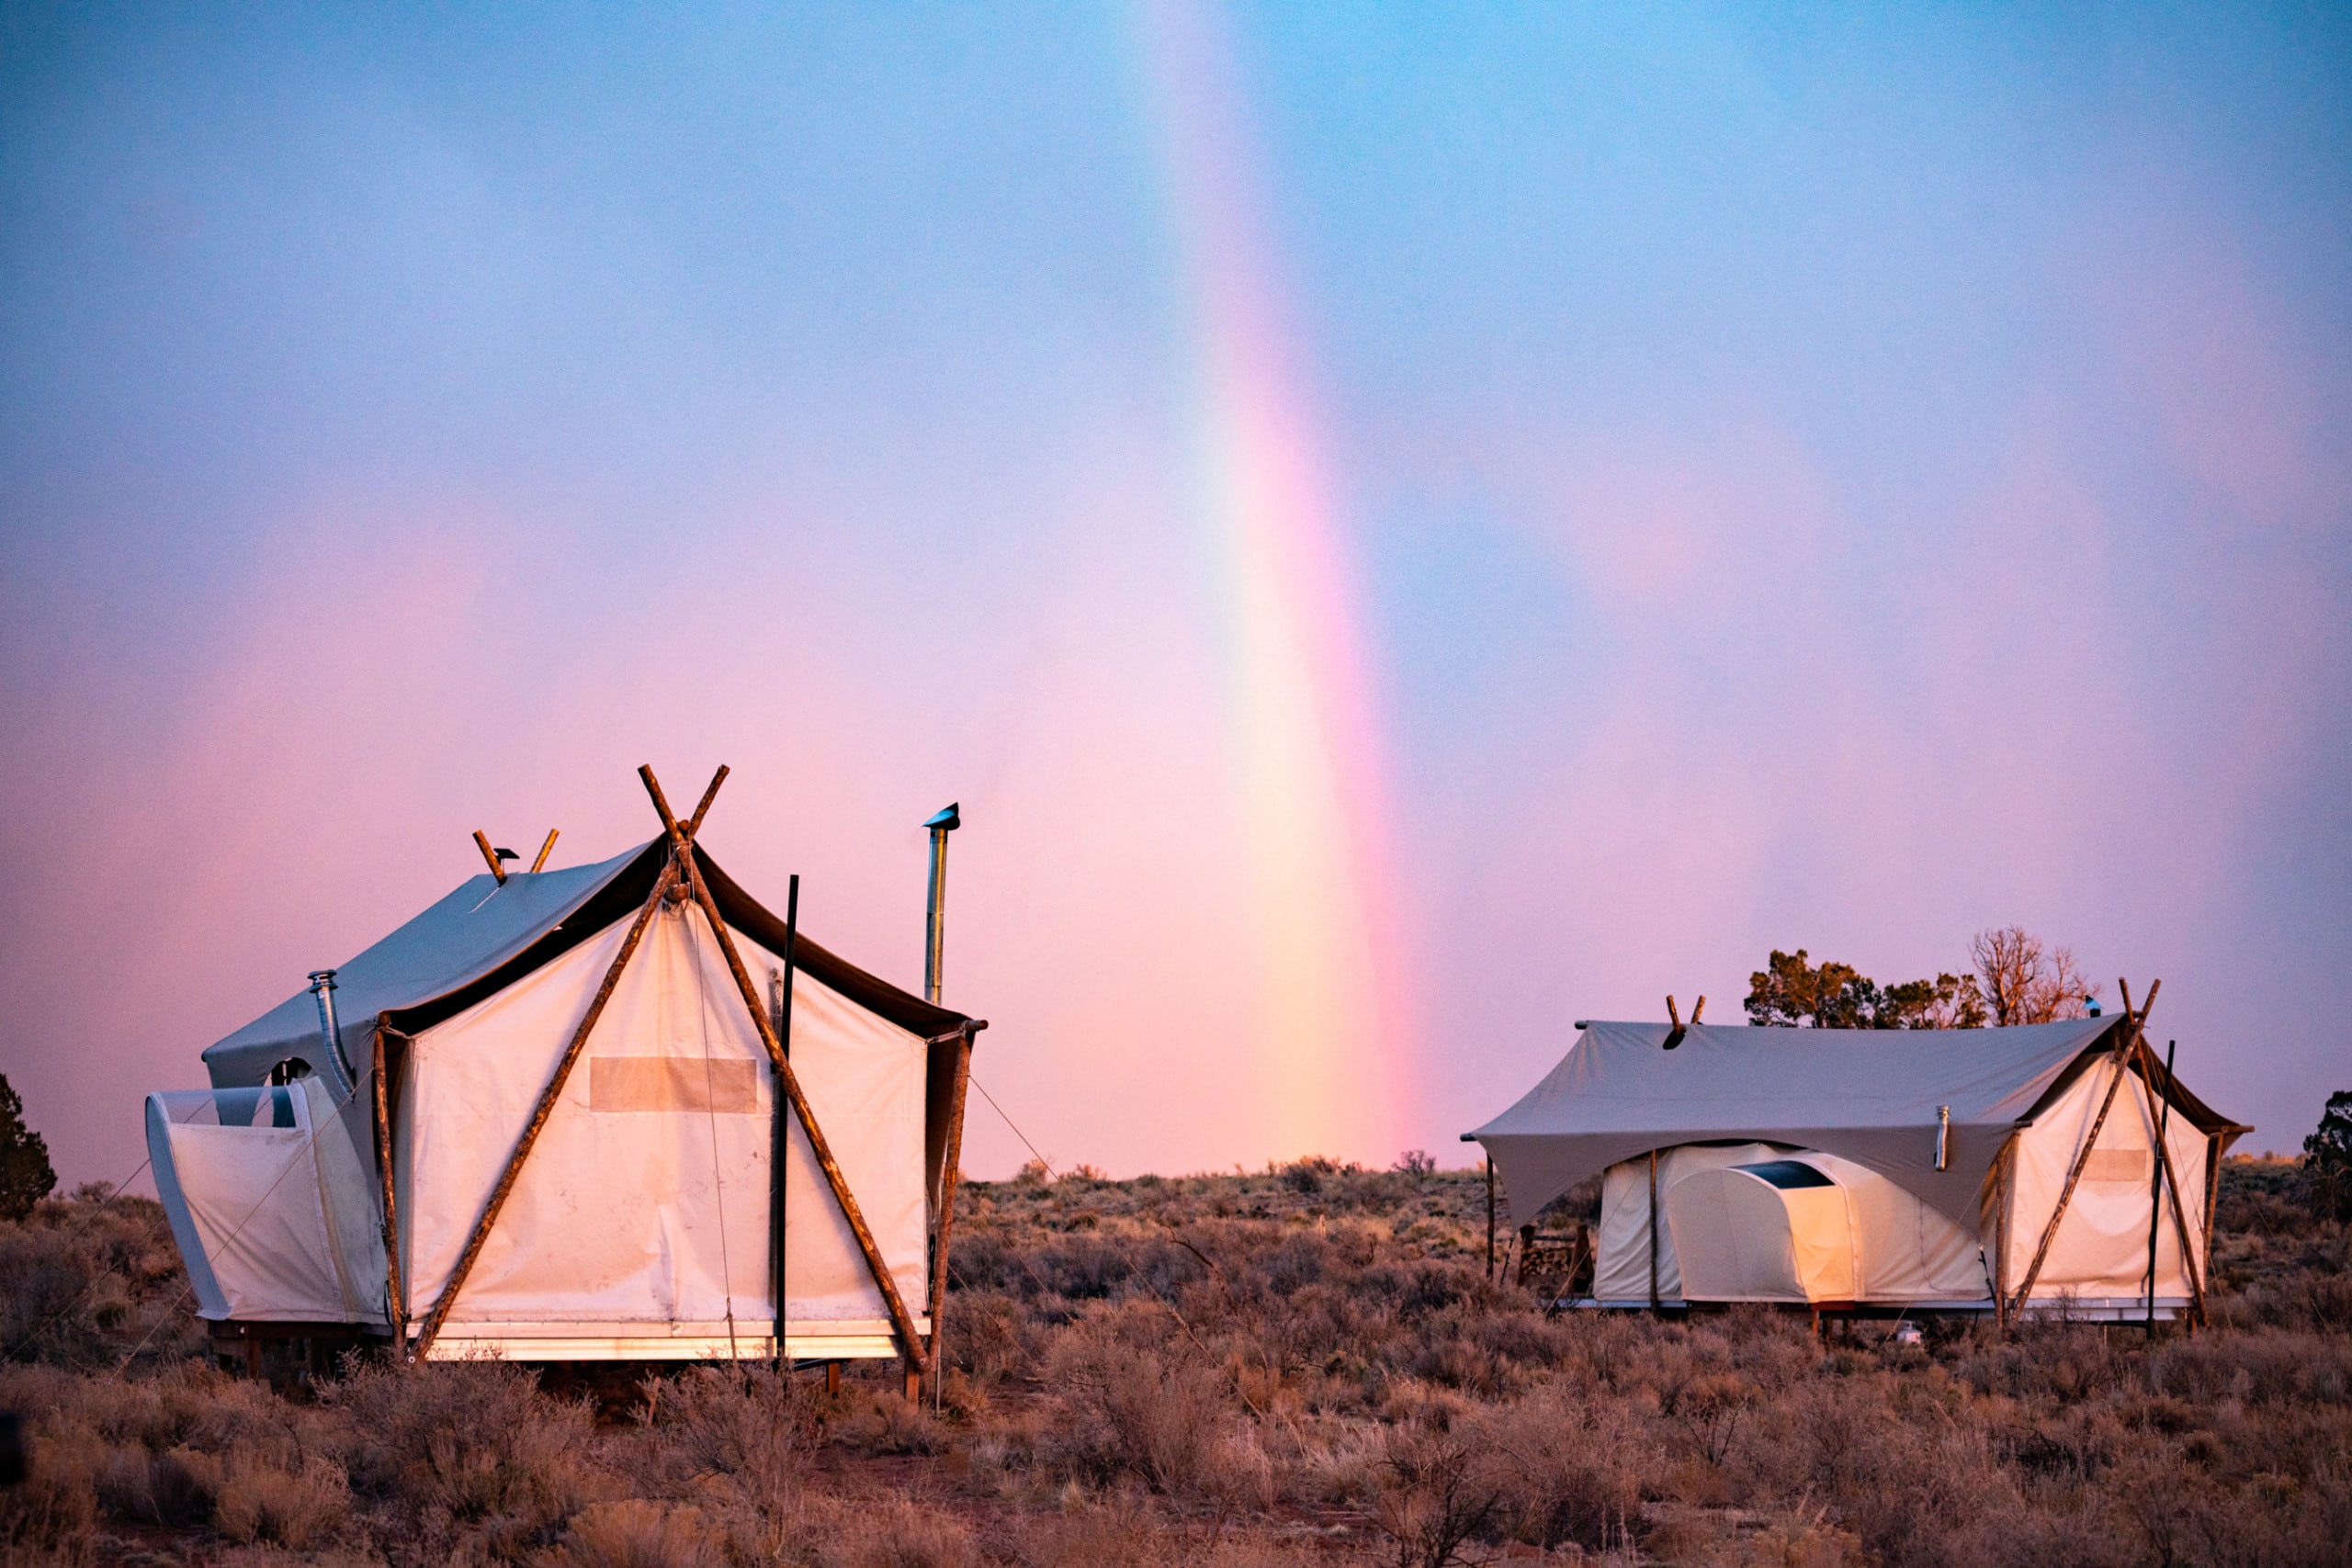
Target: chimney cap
(946, 819)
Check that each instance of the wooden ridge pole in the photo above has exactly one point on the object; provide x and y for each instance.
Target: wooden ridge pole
(682, 843)
(2132, 1024)
(395, 1298)
(554, 1089)
(950, 1156)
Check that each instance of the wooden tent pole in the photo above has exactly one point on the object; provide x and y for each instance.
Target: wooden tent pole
(395, 1299)
(910, 1343)
(2172, 1186)
(2162, 1126)
(950, 1156)
(2003, 1195)
(490, 856)
(779, 1120)
(2132, 1024)
(548, 1097)
(1489, 1216)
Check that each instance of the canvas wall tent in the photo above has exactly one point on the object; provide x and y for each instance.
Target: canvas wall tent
(1990, 1169)
(552, 1093)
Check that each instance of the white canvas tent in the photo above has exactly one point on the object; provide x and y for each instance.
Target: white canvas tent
(560, 1098)
(1999, 1170)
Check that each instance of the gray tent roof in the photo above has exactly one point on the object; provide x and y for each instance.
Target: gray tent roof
(1869, 1095)
(485, 936)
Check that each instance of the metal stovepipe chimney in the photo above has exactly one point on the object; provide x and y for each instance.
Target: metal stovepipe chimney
(941, 823)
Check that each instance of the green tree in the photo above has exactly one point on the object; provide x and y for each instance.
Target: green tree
(2327, 1156)
(25, 1176)
(1789, 993)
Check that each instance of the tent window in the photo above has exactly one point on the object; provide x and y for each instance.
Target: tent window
(1786, 1173)
(288, 1071)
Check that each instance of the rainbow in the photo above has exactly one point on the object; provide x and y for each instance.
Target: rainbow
(1307, 766)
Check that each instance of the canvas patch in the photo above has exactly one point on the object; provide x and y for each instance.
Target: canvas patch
(673, 1083)
(2120, 1165)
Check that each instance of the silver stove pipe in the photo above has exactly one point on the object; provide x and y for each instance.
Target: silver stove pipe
(322, 988)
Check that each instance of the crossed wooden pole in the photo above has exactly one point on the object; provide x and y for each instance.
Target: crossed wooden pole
(2131, 1050)
(681, 873)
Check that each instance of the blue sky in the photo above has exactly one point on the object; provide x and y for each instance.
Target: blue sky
(1806, 480)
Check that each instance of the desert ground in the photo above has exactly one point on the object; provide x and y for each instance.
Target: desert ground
(1302, 1365)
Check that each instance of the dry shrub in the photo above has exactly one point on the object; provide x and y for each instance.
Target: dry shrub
(448, 1443)
(1134, 1411)
(258, 1501)
(885, 1423)
(55, 1509)
(634, 1533)
(900, 1533)
(1436, 1493)
(991, 1336)
(84, 1281)
(1569, 1468)
(745, 1424)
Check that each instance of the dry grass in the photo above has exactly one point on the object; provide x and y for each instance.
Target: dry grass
(1306, 1365)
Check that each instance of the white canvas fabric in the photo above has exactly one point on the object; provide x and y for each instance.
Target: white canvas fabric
(646, 1199)
(1909, 1252)
(2100, 1249)
(258, 1185)
(1740, 1237)
(1622, 1272)
(1905, 1250)
(471, 932)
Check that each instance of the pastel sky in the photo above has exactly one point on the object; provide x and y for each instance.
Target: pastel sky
(1402, 526)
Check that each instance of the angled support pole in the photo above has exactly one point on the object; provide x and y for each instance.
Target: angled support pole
(2147, 1058)
(682, 846)
(554, 1090)
(2127, 1040)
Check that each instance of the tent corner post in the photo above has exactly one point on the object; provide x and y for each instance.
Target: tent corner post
(951, 1157)
(395, 1297)
(1653, 1233)
(1490, 1216)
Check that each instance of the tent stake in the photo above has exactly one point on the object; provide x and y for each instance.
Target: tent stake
(682, 843)
(2130, 1033)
